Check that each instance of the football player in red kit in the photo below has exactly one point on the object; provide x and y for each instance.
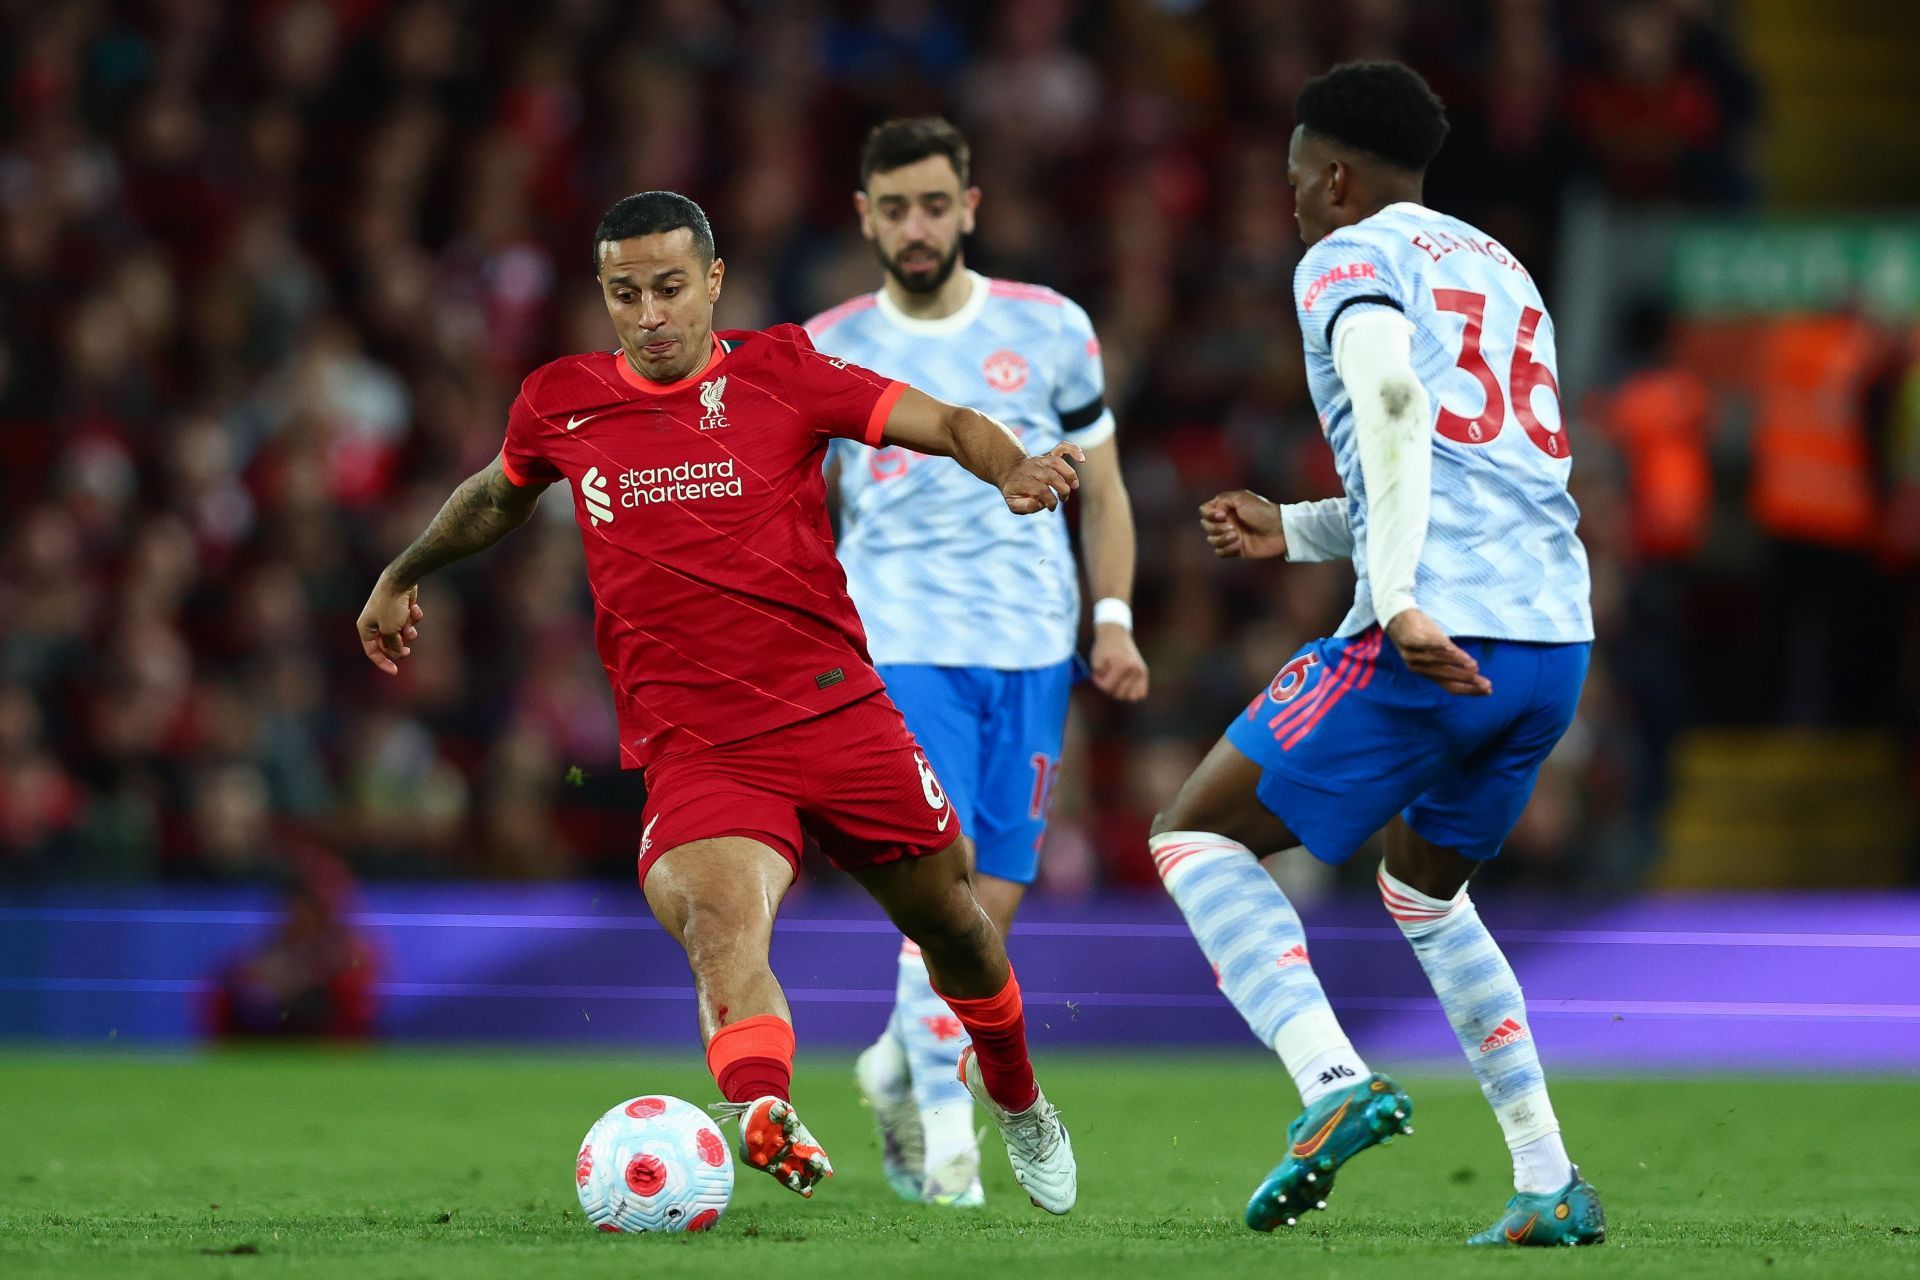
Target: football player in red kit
(739, 668)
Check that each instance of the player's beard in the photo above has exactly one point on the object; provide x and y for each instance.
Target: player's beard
(928, 283)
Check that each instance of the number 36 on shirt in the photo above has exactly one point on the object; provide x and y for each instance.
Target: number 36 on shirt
(1525, 375)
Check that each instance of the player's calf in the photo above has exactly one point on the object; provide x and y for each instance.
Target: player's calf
(929, 899)
(1254, 939)
(1481, 997)
(717, 899)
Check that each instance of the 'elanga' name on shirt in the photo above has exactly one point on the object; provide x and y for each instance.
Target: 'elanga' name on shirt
(683, 482)
(1437, 244)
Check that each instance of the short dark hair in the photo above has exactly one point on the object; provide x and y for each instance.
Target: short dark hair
(904, 140)
(650, 213)
(1383, 108)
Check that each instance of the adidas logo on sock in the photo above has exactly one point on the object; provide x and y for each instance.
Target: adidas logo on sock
(1337, 1073)
(1296, 954)
(1505, 1034)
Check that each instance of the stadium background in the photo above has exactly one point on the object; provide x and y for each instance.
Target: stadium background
(270, 274)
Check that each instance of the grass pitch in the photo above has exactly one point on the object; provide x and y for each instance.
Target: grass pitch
(381, 1164)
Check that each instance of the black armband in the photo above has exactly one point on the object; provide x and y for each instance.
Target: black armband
(1377, 299)
(1085, 416)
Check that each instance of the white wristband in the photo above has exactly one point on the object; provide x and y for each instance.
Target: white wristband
(1113, 609)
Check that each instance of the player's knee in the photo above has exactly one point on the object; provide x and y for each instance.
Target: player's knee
(1168, 819)
(713, 933)
(950, 934)
(1191, 809)
(1419, 864)
(952, 925)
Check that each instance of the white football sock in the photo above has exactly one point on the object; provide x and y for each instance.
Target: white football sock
(1335, 1069)
(887, 1064)
(1483, 1001)
(924, 1024)
(1542, 1165)
(1252, 934)
(949, 1129)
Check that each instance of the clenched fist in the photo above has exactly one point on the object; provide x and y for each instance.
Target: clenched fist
(1243, 524)
(1043, 481)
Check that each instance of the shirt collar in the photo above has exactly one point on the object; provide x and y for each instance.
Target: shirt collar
(945, 326)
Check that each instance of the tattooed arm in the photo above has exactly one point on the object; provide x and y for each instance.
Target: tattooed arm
(484, 509)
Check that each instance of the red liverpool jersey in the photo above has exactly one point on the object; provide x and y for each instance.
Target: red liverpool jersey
(720, 608)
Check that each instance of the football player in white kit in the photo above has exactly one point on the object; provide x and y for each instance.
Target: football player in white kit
(1430, 357)
(971, 615)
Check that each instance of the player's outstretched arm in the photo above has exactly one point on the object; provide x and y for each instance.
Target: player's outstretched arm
(1243, 524)
(984, 446)
(484, 509)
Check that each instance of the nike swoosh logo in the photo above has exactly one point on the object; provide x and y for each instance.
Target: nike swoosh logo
(1526, 1229)
(1313, 1144)
(575, 422)
(945, 818)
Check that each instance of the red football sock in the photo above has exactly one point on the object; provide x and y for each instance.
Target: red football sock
(753, 1058)
(998, 1025)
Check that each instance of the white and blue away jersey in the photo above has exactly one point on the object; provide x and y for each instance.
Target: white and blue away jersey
(942, 573)
(1501, 559)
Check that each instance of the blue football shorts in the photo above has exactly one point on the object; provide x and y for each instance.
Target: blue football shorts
(994, 738)
(1346, 736)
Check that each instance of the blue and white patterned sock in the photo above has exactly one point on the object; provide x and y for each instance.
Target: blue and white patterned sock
(933, 1038)
(1483, 1001)
(1253, 937)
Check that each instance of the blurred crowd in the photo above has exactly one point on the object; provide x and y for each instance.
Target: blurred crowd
(270, 273)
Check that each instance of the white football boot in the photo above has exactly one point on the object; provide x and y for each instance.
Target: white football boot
(955, 1182)
(1037, 1142)
(902, 1141)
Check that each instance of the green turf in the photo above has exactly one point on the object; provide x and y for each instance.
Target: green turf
(382, 1164)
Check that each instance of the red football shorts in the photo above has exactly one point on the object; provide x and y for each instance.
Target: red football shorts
(853, 778)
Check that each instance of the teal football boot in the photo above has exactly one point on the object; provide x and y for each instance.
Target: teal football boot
(1328, 1134)
(1570, 1216)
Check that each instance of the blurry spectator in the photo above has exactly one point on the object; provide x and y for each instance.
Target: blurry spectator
(232, 827)
(1651, 120)
(894, 53)
(1511, 150)
(1900, 450)
(40, 805)
(407, 804)
(270, 275)
(1813, 475)
(1032, 89)
(1814, 488)
(314, 976)
(1659, 416)
(521, 839)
